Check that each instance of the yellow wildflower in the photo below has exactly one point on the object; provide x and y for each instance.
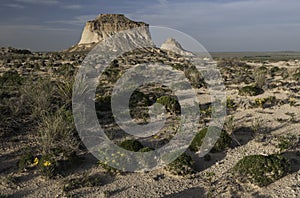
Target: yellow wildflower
(292, 99)
(47, 163)
(36, 161)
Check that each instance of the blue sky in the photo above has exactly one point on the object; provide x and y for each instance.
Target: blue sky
(219, 25)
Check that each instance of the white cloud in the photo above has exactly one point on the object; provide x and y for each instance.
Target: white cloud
(235, 25)
(42, 2)
(17, 28)
(72, 7)
(78, 20)
(14, 5)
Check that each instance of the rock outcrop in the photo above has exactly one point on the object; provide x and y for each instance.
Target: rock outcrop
(172, 45)
(106, 25)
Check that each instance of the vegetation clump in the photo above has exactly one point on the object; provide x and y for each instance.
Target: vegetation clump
(296, 76)
(115, 158)
(170, 103)
(260, 76)
(183, 165)
(57, 134)
(11, 78)
(287, 142)
(265, 102)
(145, 150)
(262, 170)
(223, 142)
(138, 105)
(85, 181)
(103, 102)
(131, 145)
(25, 160)
(250, 90)
(47, 165)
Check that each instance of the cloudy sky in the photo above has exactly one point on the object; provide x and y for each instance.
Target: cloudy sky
(219, 25)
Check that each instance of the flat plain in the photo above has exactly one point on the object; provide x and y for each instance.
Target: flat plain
(257, 154)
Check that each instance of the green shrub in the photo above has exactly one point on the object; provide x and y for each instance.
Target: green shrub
(11, 78)
(131, 145)
(274, 70)
(138, 98)
(296, 76)
(260, 76)
(223, 142)
(37, 97)
(230, 104)
(262, 170)
(183, 165)
(47, 166)
(103, 102)
(286, 142)
(57, 134)
(170, 104)
(138, 105)
(145, 150)
(63, 92)
(25, 160)
(250, 91)
(195, 77)
(265, 102)
(116, 158)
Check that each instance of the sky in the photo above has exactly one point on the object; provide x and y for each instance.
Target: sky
(219, 25)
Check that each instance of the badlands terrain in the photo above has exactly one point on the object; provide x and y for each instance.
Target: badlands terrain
(42, 155)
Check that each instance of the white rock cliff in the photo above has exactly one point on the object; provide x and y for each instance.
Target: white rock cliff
(172, 45)
(106, 25)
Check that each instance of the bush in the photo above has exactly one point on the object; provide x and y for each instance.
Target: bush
(138, 105)
(287, 142)
(37, 98)
(230, 104)
(296, 76)
(274, 70)
(250, 91)
(103, 102)
(223, 142)
(11, 78)
(262, 170)
(63, 92)
(138, 98)
(260, 76)
(131, 145)
(183, 165)
(47, 166)
(265, 102)
(195, 78)
(25, 160)
(145, 150)
(170, 104)
(57, 134)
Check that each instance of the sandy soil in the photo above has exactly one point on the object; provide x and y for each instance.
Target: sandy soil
(272, 122)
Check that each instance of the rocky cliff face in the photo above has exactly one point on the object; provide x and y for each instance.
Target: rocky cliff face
(172, 45)
(106, 25)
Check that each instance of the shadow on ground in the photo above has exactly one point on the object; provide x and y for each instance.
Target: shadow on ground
(196, 192)
(294, 159)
